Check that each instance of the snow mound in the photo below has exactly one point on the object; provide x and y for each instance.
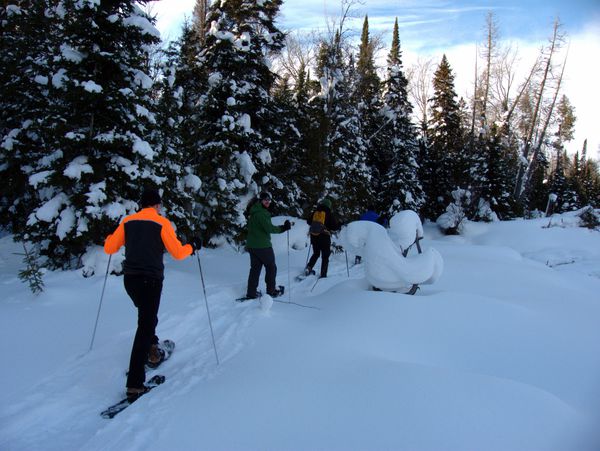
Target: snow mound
(385, 266)
(405, 226)
(266, 302)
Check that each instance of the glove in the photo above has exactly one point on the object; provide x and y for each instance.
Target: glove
(196, 244)
(286, 226)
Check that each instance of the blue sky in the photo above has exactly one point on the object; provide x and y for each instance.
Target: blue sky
(433, 23)
(432, 27)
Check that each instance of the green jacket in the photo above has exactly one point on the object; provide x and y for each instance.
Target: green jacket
(260, 228)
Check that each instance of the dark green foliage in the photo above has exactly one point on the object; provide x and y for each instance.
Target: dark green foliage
(88, 155)
(395, 148)
(443, 161)
(32, 274)
(590, 218)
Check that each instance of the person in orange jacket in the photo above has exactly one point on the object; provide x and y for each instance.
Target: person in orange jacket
(145, 234)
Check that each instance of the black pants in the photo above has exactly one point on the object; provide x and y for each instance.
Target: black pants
(321, 245)
(145, 293)
(259, 258)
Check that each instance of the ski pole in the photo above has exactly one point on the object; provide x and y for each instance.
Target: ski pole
(316, 282)
(347, 267)
(207, 310)
(100, 304)
(288, 252)
(307, 254)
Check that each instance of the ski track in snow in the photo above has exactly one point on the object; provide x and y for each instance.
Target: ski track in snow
(192, 362)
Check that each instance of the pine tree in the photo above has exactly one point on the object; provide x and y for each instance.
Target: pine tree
(308, 115)
(235, 140)
(395, 145)
(287, 159)
(366, 87)
(561, 186)
(444, 162)
(28, 42)
(498, 178)
(96, 154)
(175, 96)
(343, 151)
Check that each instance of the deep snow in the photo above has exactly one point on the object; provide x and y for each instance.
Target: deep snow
(500, 353)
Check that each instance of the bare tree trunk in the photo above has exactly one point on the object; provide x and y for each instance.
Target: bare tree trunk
(472, 138)
(489, 53)
(540, 140)
(200, 12)
(520, 181)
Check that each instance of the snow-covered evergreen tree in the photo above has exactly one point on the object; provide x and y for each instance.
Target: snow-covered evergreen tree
(494, 177)
(287, 165)
(344, 150)
(365, 87)
(395, 144)
(236, 141)
(96, 155)
(562, 187)
(444, 162)
(28, 43)
(175, 160)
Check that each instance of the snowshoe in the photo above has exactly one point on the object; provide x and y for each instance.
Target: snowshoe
(249, 298)
(126, 402)
(278, 292)
(305, 274)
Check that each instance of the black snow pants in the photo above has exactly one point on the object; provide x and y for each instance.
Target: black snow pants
(321, 245)
(259, 258)
(145, 293)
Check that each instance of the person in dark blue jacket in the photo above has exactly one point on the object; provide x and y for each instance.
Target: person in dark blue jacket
(369, 215)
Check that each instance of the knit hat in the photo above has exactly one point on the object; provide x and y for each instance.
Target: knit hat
(264, 195)
(327, 203)
(150, 197)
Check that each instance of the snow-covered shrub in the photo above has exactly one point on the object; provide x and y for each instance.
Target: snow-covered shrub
(485, 212)
(452, 221)
(589, 217)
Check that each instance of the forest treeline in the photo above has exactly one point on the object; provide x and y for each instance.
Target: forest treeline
(94, 108)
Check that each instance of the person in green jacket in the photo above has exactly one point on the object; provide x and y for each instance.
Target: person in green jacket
(259, 246)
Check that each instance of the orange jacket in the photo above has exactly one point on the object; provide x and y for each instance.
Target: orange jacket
(146, 235)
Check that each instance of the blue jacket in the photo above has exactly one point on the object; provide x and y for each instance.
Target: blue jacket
(369, 215)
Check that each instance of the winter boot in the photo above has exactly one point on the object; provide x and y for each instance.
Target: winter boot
(134, 393)
(278, 292)
(155, 356)
(309, 271)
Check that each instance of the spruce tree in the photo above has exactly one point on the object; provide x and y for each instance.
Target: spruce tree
(444, 161)
(562, 187)
(287, 164)
(175, 162)
(28, 42)
(343, 151)
(96, 152)
(498, 178)
(236, 143)
(366, 87)
(395, 146)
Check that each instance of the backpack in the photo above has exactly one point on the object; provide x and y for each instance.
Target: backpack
(317, 225)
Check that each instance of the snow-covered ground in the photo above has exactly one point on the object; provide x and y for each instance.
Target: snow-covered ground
(502, 352)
